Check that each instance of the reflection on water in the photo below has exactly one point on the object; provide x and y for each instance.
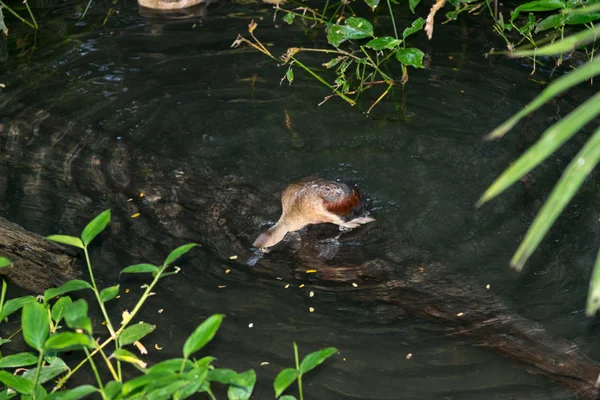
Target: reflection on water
(165, 107)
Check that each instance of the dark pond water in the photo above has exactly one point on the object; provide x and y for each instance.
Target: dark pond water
(173, 95)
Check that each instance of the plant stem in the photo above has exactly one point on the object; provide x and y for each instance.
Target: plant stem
(393, 20)
(299, 373)
(93, 365)
(86, 9)
(317, 77)
(100, 303)
(3, 4)
(116, 377)
(37, 372)
(31, 14)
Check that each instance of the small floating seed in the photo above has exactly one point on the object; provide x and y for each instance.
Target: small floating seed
(311, 294)
(311, 309)
(142, 194)
(227, 271)
(264, 363)
(233, 257)
(287, 286)
(129, 199)
(408, 356)
(135, 215)
(301, 286)
(222, 286)
(460, 314)
(311, 271)
(157, 347)
(354, 284)
(160, 311)
(251, 325)
(126, 290)
(487, 286)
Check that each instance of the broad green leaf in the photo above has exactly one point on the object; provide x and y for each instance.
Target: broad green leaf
(575, 173)
(289, 18)
(172, 365)
(73, 394)
(5, 262)
(18, 360)
(140, 268)
(242, 386)
(580, 19)
(222, 375)
(316, 358)
(551, 140)
(167, 391)
(539, 5)
(382, 43)
(135, 332)
(17, 383)
(96, 226)
(284, 379)
(68, 240)
(202, 335)
(412, 4)
(36, 326)
(178, 252)
(3, 27)
(66, 341)
(551, 22)
(12, 305)
(565, 45)
(372, 3)
(109, 293)
(192, 388)
(48, 372)
(6, 394)
(76, 316)
(112, 389)
(415, 27)
(410, 56)
(355, 28)
(70, 286)
(128, 357)
(144, 381)
(198, 373)
(561, 84)
(58, 309)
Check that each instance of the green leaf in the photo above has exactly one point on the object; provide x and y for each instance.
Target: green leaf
(112, 389)
(165, 392)
(575, 173)
(202, 335)
(68, 240)
(561, 84)
(553, 21)
(3, 27)
(222, 375)
(18, 360)
(355, 28)
(5, 262)
(416, 26)
(109, 293)
(289, 18)
(411, 56)
(287, 397)
(66, 341)
(172, 365)
(550, 141)
(316, 358)
(3, 341)
(284, 379)
(539, 5)
(12, 305)
(17, 383)
(412, 4)
(290, 75)
(74, 394)
(140, 268)
(562, 46)
(386, 42)
(242, 386)
(58, 308)
(35, 325)
(178, 252)
(372, 3)
(76, 316)
(128, 357)
(333, 62)
(580, 19)
(48, 372)
(135, 332)
(70, 286)
(148, 380)
(189, 390)
(96, 226)
(593, 300)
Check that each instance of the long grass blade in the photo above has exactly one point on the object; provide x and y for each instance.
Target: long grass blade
(571, 180)
(550, 141)
(593, 300)
(562, 46)
(563, 83)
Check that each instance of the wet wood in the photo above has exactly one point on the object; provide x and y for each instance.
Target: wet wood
(38, 263)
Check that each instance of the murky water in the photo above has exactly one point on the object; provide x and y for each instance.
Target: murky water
(157, 99)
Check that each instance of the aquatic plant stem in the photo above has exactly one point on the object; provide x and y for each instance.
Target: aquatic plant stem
(393, 20)
(299, 372)
(37, 372)
(116, 377)
(100, 302)
(3, 4)
(324, 82)
(31, 14)
(93, 365)
(86, 10)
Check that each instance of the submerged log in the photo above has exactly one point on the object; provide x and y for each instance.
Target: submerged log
(38, 263)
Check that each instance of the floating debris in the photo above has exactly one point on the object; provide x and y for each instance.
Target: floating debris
(135, 215)
(227, 271)
(460, 314)
(311, 294)
(311, 309)
(344, 358)
(301, 286)
(409, 356)
(126, 290)
(487, 286)
(140, 347)
(130, 199)
(142, 194)
(354, 284)
(157, 347)
(118, 296)
(161, 310)
(233, 257)
(222, 286)
(287, 286)
(311, 271)
(264, 363)
(251, 325)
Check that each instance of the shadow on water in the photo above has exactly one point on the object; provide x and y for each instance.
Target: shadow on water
(166, 108)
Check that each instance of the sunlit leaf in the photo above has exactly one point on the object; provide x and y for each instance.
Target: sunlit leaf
(109, 293)
(415, 27)
(96, 226)
(48, 372)
(551, 140)
(73, 394)
(289, 18)
(412, 4)
(355, 28)
(172, 365)
(575, 173)
(202, 335)
(70, 286)
(140, 268)
(178, 252)
(284, 379)
(17, 383)
(5, 262)
(18, 360)
(35, 324)
(76, 316)
(551, 22)
(68, 240)
(316, 358)
(561, 84)
(112, 389)
(411, 56)
(593, 300)
(156, 379)
(12, 305)
(128, 357)
(372, 3)
(382, 43)
(58, 308)
(66, 341)
(242, 386)
(538, 5)
(222, 375)
(135, 332)
(166, 392)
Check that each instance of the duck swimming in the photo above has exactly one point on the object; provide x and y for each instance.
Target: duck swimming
(315, 201)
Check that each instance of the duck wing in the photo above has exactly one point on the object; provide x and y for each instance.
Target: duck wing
(339, 198)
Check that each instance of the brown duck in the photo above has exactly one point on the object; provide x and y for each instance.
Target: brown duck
(315, 201)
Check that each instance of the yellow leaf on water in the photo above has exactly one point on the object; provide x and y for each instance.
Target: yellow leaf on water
(311, 271)
(135, 215)
(233, 257)
(157, 347)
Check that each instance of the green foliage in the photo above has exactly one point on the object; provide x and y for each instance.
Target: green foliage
(135, 332)
(35, 325)
(203, 334)
(68, 240)
(4, 262)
